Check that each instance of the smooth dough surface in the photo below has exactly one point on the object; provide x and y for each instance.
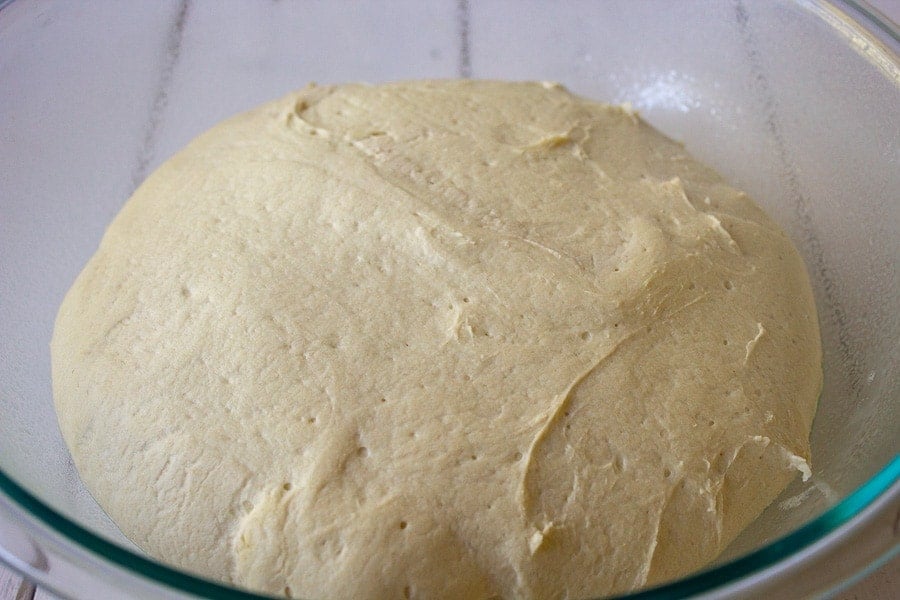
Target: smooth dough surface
(437, 339)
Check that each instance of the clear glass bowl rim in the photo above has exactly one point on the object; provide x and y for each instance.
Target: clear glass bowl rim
(869, 23)
(703, 581)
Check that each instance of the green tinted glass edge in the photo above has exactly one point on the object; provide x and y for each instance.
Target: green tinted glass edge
(114, 553)
(774, 552)
(705, 581)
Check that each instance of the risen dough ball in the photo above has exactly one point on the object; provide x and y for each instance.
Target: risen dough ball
(437, 339)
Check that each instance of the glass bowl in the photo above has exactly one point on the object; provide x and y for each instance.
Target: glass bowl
(796, 102)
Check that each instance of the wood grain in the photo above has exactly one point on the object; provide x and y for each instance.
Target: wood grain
(41, 594)
(13, 587)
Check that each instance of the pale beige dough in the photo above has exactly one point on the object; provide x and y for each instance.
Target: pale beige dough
(437, 339)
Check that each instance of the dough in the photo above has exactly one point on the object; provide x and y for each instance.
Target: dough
(449, 339)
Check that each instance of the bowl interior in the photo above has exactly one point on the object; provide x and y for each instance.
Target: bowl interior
(786, 100)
